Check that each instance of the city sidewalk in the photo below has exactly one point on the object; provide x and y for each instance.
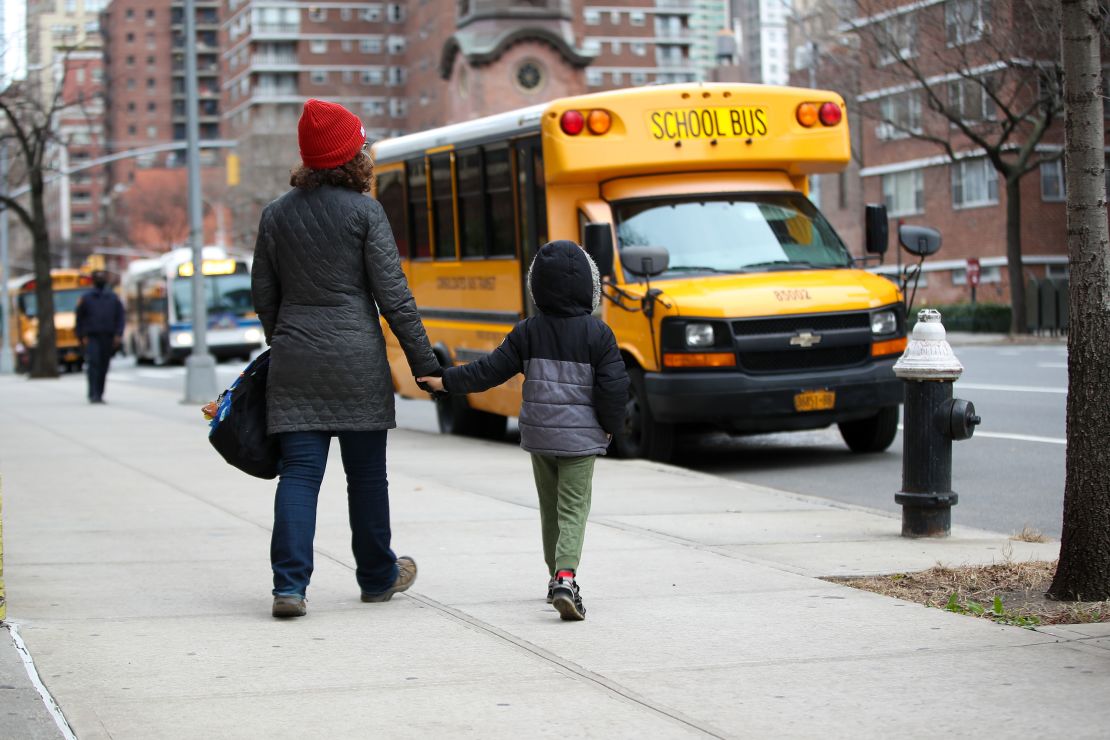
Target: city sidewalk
(137, 572)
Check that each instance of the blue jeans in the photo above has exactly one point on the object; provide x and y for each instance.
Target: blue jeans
(303, 458)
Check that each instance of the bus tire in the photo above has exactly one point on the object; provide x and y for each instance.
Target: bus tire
(642, 436)
(454, 416)
(873, 434)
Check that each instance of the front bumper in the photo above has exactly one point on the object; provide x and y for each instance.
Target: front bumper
(765, 403)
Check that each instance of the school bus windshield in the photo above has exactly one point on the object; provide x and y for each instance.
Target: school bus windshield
(64, 301)
(742, 232)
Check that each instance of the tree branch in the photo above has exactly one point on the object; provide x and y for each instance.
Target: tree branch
(20, 211)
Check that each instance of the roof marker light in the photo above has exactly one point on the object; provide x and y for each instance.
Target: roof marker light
(830, 114)
(572, 123)
(807, 114)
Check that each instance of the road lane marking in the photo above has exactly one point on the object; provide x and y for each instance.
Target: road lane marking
(1009, 388)
(1016, 437)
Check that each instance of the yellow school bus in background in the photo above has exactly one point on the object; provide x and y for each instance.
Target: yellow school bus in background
(734, 302)
(68, 287)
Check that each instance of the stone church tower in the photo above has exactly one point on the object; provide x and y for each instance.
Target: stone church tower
(506, 55)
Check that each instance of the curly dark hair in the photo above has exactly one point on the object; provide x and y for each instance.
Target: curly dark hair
(357, 175)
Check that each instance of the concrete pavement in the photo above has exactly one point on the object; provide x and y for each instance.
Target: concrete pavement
(137, 572)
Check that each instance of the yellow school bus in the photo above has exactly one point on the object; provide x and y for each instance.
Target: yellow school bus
(68, 287)
(734, 302)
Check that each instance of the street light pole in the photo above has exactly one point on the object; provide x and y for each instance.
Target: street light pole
(7, 359)
(200, 367)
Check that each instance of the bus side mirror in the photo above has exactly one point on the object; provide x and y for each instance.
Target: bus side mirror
(877, 229)
(599, 245)
(919, 240)
(645, 261)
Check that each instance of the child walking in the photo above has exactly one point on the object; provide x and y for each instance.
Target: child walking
(575, 389)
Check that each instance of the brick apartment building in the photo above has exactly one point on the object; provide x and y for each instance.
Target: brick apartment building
(80, 226)
(965, 50)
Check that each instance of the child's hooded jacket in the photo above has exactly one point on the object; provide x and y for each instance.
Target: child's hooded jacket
(575, 384)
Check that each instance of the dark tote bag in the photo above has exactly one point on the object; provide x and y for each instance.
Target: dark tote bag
(238, 428)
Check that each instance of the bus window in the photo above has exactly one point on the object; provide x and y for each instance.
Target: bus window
(737, 233)
(418, 209)
(391, 194)
(65, 301)
(443, 212)
(499, 194)
(472, 221)
(541, 194)
(532, 204)
(226, 294)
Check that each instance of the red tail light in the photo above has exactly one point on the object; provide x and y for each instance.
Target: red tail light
(572, 123)
(830, 114)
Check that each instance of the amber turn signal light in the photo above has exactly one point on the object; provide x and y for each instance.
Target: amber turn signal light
(889, 347)
(807, 114)
(598, 122)
(699, 359)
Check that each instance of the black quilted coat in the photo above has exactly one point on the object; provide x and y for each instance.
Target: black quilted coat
(322, 261)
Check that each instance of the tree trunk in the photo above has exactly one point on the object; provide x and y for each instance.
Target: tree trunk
(1084, 569)
(1014, 267)
(44, 362)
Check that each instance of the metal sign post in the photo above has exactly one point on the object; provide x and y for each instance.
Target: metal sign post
(973, 274)
(200, 367)
(7, 358)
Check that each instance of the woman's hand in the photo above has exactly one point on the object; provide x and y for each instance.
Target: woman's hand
(436, 384)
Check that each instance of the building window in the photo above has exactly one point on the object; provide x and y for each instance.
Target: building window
(901, 116)
(974, 183)
(639, 78)
(987, 274)
(396, 44)
(373, 14)
(348, 76)
(964, 20)
(529, 76)
(617, 77)
(346, 45)
(615, 46)
(592, 17)
(971, 100)
(151, 107)
(345, 14)
(637, 17)
(370, 46)
(319, 77)
(318, 14)
(318, 46)
(129, 14)
(395, 13)
(904, 193)
(152, 132)
(130, 38)
(149, 15)
(396, 75)
(615, 17)
(897, 38)
(593, 77)
(639, 48)
(1053, 186)
(371, 77)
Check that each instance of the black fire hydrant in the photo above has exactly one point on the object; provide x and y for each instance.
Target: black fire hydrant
(931, 420)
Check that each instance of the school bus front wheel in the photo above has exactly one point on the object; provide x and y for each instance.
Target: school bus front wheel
(643, 436)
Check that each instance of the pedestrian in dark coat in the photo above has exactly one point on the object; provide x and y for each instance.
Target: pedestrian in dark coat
(325, 263)
(99, 328)
(575, 390)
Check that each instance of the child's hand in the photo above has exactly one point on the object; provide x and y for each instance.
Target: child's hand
(436, 384)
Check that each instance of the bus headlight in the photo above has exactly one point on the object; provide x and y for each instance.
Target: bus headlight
(884, 322)
(699, 335)
(252, 335)
(182, 339)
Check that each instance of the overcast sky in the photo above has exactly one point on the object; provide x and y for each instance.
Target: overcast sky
(15, 33)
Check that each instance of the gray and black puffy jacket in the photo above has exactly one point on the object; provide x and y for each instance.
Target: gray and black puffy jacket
(575, 384)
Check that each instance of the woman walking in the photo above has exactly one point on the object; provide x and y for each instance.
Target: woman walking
(325, 263)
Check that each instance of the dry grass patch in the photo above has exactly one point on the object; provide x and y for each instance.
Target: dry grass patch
(1007, 592)
(1029, 534)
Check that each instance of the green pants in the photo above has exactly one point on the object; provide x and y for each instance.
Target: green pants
(564, 485)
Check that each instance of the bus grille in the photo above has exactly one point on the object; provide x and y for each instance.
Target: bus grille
(764, 345)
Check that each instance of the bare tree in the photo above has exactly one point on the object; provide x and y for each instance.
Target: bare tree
(27, 127)
(988, 73)
(1084, 569)
(154, 209)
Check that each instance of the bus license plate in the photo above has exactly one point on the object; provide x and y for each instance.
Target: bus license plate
(708, 123)
(814, 400)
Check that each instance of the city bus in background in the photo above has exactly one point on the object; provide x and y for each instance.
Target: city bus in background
(734, 303)
(158, 295)
(68, 287)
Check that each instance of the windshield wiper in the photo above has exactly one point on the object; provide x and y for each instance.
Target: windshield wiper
(789, 264)
(696, 268)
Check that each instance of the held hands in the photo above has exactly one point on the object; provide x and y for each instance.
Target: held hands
(432, 383)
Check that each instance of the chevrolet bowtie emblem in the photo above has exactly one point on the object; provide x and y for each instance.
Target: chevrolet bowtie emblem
(805, 339)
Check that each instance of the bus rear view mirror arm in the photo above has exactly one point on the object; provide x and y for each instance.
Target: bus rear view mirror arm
(645, 262)
(599, 245)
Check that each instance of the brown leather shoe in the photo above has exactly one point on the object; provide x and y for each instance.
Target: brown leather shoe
(289, 606)
(406, 576)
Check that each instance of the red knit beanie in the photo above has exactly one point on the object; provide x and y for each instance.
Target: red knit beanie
(329, 135)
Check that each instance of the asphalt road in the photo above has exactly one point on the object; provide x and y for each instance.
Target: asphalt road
(1009, 475)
